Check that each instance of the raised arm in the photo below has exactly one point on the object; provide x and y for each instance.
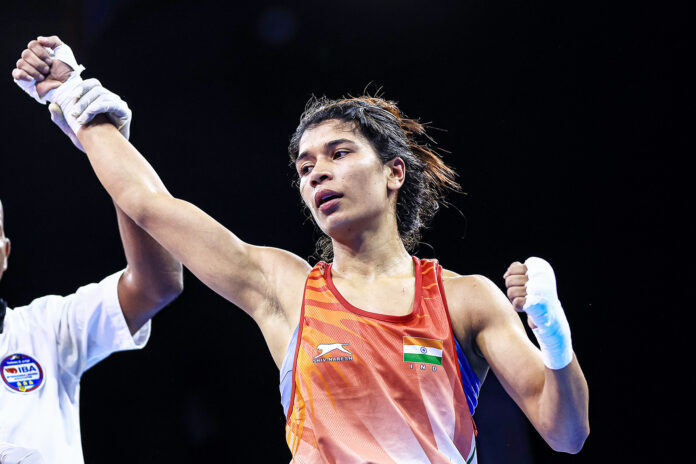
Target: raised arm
(548, 386)
(242, 273)
(153, 277)
(265, 282)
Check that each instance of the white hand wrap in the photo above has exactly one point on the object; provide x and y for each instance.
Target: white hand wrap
(11, 454)
(80, 101)
(545, 310)
(66, 97)
(63, 53)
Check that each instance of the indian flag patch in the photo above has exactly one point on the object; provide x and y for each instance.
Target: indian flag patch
(422, 350)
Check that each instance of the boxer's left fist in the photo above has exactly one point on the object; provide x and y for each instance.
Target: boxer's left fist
(531, 287)
(516, 284)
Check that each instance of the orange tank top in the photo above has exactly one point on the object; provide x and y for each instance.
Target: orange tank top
(369, 387)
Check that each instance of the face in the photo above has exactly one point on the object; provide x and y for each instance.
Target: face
(4, 243)
(343, 182)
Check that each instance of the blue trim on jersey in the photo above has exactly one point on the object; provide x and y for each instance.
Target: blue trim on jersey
(470, 381)
(286, 372)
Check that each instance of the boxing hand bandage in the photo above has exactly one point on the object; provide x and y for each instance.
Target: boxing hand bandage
(66, 97)
(543, 307)
(76, 102)
(63, 53)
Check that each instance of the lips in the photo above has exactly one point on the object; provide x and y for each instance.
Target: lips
(325, 199)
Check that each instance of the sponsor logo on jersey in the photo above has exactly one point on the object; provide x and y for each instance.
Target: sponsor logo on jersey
(332, 352)
(422, 350)
(21, 373)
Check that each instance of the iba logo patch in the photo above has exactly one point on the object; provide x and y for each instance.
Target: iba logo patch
(21, 373)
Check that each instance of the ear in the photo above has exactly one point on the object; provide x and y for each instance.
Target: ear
(7, 247)
(396, 173)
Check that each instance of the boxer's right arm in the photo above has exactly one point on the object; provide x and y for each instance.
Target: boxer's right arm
(251, 277)
(45, 65)
(74, 102)
(260, 280)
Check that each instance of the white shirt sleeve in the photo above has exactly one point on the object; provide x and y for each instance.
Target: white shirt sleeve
(11, 454)
(89, 325)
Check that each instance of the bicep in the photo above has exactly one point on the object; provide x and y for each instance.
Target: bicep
(244, 274)
(509, 352)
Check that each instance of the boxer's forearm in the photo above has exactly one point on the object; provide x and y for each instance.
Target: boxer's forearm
(124, 173)
(153, 276)
(562, 418)
(555, 396)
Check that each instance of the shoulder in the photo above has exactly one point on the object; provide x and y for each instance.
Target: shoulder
(474, 291)
(478, 310)
(285, 274)
(473, 284)
(91, 293)
(474, 301)
(41, 316)
(280, 260)
(44, 303)
(285, 271)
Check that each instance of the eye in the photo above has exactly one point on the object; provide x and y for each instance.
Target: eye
(304, 169)
(340, 153)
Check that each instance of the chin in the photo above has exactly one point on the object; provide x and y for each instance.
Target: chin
(333, 225)
(342, 222)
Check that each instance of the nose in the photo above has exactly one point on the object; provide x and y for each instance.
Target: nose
(320, 173)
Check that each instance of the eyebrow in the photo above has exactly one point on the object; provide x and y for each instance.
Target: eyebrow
(327, 147)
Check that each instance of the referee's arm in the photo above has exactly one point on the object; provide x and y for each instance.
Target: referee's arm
(152, 279)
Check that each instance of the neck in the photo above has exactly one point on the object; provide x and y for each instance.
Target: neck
(373, 253)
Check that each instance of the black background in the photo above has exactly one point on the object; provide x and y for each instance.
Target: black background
(567, 125)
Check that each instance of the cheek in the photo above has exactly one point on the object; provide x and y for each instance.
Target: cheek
(367, 181)
(305, 194)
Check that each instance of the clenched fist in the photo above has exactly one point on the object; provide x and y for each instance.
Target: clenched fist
(531, 287)
(37, 63)
(516, 283)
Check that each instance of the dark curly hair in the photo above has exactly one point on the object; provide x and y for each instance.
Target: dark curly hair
(392, 135)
